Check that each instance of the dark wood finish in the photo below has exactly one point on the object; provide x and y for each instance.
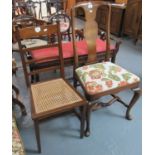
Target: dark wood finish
(133, 18)
(47, 112)
(16, 100)
(139, 33)
(117, 15)
(24, 21)
(90, 36)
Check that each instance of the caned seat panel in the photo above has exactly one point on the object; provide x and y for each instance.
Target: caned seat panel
(53, 94)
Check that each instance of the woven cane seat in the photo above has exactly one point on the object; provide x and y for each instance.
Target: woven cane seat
(51, 95)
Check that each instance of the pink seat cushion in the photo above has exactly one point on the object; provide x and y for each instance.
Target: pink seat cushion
(67, 49)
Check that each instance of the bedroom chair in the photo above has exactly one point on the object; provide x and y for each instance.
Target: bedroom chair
(52, 97)
(99, 79)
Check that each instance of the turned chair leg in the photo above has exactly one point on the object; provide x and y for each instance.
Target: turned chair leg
(37, 133)
(136, 95)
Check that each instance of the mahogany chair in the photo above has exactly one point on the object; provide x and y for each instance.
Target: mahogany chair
(52, 97)
(99, 79)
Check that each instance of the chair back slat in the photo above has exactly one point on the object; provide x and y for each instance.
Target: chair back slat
(91, 28)
(40, 32)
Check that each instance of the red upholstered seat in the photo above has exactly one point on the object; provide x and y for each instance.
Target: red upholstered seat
(67, 49)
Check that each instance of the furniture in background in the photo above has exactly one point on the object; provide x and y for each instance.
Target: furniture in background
(133, 19)
(117, 16)
(70, 3)
(15, 91)
(126, 17)
(99, 79)
(52, 97)
(68, 54)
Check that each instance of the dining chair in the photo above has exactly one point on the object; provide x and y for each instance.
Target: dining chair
(54, 96)
(100, 79)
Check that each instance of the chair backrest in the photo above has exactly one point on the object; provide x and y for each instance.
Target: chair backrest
(90, 29)
(42, 32)
(24, 21)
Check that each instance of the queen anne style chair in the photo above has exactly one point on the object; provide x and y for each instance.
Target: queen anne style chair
(99, 79)
(55, 96)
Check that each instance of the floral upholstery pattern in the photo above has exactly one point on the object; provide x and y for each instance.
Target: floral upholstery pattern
(17, 145)
(104, 76)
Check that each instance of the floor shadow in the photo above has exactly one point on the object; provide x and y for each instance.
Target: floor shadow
(31, 151)
(108, 113)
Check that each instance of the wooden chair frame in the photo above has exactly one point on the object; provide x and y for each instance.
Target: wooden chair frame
(90, 33)
(48, 30)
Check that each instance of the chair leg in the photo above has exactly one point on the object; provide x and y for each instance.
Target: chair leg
(17, 101)
(88, 112)
(75, 83)
(37, 133)
(21, 105)
(37, 78)
(115, 51)
(83, 114)
(137, 93)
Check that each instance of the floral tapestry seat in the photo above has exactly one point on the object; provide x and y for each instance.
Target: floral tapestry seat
(105, 76)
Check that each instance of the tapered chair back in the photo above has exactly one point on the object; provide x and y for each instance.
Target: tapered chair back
(43, 32)
(99, 79)
(90, 29)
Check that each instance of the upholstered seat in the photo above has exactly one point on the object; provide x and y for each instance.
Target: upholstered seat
(101, 77)
(67, 49)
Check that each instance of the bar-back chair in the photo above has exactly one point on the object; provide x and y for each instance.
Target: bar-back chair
(50, 97)
(100, 79)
